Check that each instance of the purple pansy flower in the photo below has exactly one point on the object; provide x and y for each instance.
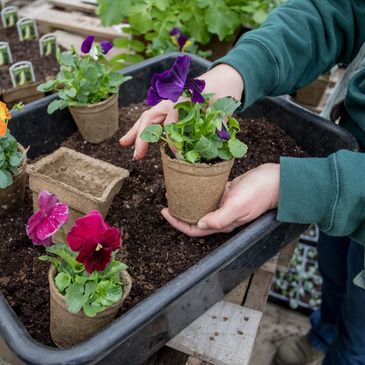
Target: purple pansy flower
(87, 44)
(106, 46)
(48, 220)
(223, 134)
(170, 84)
(175, 31)
(179, 38)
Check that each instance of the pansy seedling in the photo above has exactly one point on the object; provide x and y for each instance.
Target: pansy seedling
(205, 129)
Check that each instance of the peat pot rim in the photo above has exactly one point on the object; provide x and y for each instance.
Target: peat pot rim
(59, 298)
(120, 174)
(200, 168)
(89, 107)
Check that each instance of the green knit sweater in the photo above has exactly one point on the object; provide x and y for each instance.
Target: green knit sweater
(299, 41)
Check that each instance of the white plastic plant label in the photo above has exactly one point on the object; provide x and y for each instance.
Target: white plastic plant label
(6, 57)
(47, 45)
(9, 16)
(22, 73)
(27, 29)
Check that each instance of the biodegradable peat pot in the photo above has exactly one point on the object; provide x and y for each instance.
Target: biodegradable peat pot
(68, 329)
(25, 94)
(97, 122)
(83, 182)
(193, 190)
(12, 197)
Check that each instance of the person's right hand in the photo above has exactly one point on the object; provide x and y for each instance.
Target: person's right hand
(222, 80)
(163, 112)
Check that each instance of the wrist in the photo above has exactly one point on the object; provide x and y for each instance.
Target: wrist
(224, 80)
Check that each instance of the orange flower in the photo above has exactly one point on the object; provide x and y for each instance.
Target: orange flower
(4, 113)
(3, 128)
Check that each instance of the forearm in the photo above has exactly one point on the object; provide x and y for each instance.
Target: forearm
(327, 191)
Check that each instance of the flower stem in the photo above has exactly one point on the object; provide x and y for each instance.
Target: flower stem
(63, 235)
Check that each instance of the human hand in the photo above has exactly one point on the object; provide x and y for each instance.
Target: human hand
(222, 80)
(244, 199)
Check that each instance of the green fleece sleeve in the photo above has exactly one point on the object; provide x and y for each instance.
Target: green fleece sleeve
(331, 193)
(299, 41)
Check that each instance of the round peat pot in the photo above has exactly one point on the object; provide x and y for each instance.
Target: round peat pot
(97, 122)
(193, 190)
(12, 197)
(68, 329)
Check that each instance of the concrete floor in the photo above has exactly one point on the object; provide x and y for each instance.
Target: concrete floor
(276, 324)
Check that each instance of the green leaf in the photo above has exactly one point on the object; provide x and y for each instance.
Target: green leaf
(92, 309)
(5, 179)
(225, 154)
(260, 16)
(62, 281)
(206, 148)
(192, 156)
(226, 105)
(15, 159)
(75, 298)
(237, 148)
(55, 105)
(232, 122)
(71, 92)
(113, 11)
(55, 262)
(132, 44)
(47, 86)
(152, 133)
(67, 59)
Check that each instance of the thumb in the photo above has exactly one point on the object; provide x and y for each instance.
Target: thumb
(218, 219)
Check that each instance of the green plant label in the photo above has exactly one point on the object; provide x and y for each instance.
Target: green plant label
(9, 16)
(22, 73)
(6, 57)
(27, 29)
(47, 45)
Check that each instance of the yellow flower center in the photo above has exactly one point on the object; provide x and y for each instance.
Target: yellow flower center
(98, 247)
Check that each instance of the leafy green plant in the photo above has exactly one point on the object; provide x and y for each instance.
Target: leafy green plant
(204, 131)
(10, 155)
(91, 293)
(87, 271)
(199, 19)
(83, 80)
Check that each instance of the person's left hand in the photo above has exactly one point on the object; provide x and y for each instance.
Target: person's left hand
(245, 198)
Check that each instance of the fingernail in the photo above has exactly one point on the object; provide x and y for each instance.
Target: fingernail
(202, 225)
(121, 139)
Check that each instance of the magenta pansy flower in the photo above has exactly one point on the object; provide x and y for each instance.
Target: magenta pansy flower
(223, 133)
(87, 44)
(106, 46)
(94, 240)
(51, 216)
(170, 84)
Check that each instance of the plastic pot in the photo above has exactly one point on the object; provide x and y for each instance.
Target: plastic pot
(97, 122)
(83, 182)
(68, 329)
(193, 190)
(145, 328)
(12, 197)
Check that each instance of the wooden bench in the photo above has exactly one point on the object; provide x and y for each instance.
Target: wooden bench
(226, 333)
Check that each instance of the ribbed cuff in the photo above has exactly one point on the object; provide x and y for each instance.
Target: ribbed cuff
(256, 66)
(308, 191)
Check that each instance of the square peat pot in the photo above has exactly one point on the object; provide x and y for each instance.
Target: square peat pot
(83, 182)
(145, 328)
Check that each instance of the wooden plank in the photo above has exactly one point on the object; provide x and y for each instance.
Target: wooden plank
(258, 292)
(224, 335)
(73, 22)
(237, 295)
(74, 5)
(285, 256)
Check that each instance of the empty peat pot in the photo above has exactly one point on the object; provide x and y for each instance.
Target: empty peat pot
(97, 122)
(193, 190)
(68, 329)
(12, 197)
(82, 182)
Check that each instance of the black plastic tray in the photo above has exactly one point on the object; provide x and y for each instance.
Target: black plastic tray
(144, 329)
